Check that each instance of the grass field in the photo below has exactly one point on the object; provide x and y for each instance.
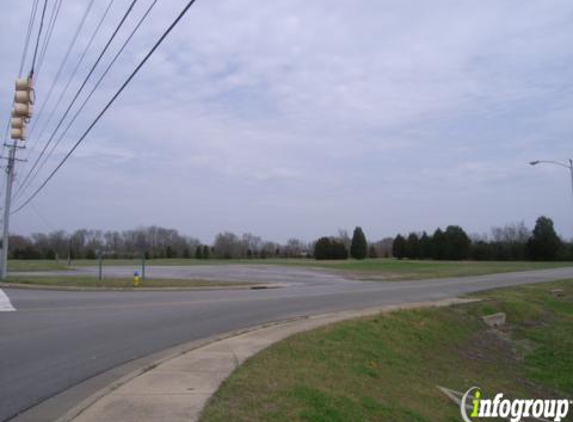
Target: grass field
(91, 282)
(394, 269)
(369, 269)
(386, 368)
(35, 265)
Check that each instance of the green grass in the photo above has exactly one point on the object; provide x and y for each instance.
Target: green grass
(369, 269)
(35, 265)
(394, 269)
(87, 281)
(386, 368)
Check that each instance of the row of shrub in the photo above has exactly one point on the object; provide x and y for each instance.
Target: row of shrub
(512, 242)
(515, 243)
(332, 248)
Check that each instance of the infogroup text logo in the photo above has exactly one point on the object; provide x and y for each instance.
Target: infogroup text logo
(513, 409)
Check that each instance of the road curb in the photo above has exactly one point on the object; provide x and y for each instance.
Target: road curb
(119, 400)
(168, 355)
(139, 289)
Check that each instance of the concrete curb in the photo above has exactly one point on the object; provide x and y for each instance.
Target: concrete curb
(177, 387)
(252, 286)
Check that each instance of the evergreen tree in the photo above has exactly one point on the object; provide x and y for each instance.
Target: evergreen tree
(205, 252)
(327, 248)
(359, 246)
(338, 250)
(372, 252)
(438, 244)
(413, 246)
(321, 248)
(425, 246)
(199, 252)
(544, 244)
(399, 247)
(457, 243)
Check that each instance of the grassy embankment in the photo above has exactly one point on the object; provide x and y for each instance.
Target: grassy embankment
(369, 269)
(386, 368)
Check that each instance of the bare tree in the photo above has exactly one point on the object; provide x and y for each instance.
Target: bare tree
(295, 248)
(227, 246)
(344, 238)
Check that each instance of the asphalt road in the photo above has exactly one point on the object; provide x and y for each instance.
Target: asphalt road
(267, 274)
(57, 339)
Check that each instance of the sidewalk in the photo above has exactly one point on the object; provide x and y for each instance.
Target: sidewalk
(177, 390)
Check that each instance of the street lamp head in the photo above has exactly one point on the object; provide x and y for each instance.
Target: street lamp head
(533, 163)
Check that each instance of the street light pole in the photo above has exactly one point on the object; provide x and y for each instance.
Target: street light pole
(558, 163)
(571, 170)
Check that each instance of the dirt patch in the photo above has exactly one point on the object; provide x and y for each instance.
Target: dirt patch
(491, 347)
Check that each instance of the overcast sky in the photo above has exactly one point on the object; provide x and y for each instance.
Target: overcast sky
(294, 118)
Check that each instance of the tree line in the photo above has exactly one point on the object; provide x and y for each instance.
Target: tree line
(511, 242)
(152, 242)
(343, 247)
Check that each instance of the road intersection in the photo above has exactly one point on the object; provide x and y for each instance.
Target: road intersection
(58, 340)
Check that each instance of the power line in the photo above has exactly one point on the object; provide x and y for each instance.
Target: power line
(43, 218)
(70, 79)
(58, 74)
(25, 102)
(25, 185)
(38, 39)
(52, 23)
(109, 104)
(28, 35)
(22, 61)
(80, 89)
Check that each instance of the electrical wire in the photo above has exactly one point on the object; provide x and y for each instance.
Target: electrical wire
(51, 25)
(80, 89)
(39, 114)
(43, 218)
(31, 21)
(28, 35)
(38, 38)
(25, 185)
(70, 79)
(109, 104)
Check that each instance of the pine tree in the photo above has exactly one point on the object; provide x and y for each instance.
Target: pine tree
(359, 246)
(413, 246)
(199, 252)
(425, 246)
(327, 248)
(457, 243)
(399, 247)
(438, 244)
(544, 244)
